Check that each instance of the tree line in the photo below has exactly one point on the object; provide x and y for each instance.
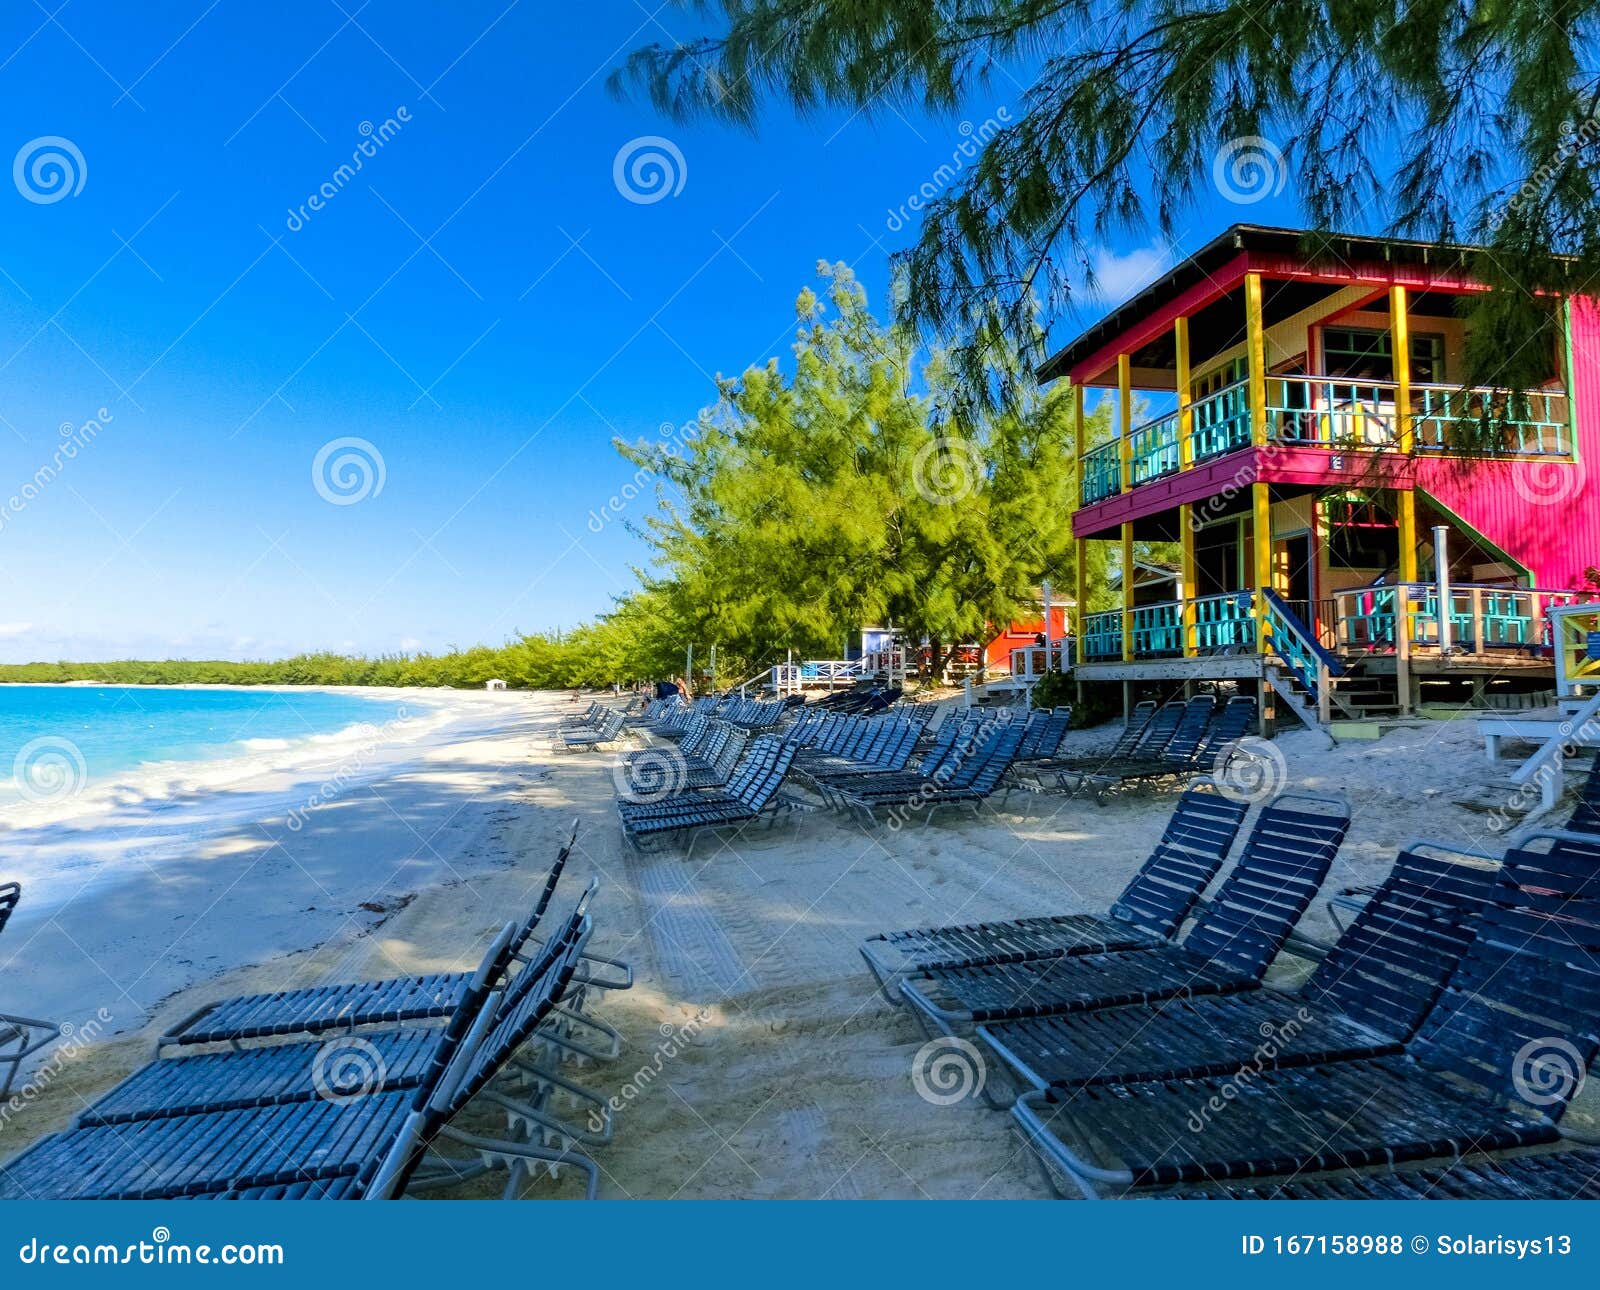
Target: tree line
(858, 486)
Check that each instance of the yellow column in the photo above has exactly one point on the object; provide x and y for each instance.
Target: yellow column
(1125, 417)
(1256, 355)
(1261, 550)
(1260, 498)
(1081, 434)
(1180, 336)
(1405, 429)
(1127, 593)
(1190, 572)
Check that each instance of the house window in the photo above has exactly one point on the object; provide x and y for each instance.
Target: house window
(1367, 354)
(1219, 377)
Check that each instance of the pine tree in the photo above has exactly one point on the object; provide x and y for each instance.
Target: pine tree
(1439, 119)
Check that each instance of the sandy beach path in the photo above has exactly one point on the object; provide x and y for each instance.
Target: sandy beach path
(760, 1061)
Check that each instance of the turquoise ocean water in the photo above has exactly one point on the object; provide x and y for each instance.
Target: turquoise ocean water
(95, 733)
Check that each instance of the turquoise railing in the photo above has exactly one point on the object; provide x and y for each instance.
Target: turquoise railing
(1532, 424)
(1153, 449)
(1221, 422)
(1102, 473)
(1102, 636)
(1291, 640)
(1482, 617)
(1225, 623)
(1335, 414)
(1158, 630)
(1329, 413)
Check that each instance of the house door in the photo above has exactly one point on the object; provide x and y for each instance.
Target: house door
(1294, 575)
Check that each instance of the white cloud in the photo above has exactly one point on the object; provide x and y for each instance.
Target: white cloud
(1118, 276)
(8, 630)
(410, 644)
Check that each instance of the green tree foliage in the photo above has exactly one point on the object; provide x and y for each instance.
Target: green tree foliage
(860, 490)
(1443, 120)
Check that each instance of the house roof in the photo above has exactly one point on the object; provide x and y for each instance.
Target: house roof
(1195, 270)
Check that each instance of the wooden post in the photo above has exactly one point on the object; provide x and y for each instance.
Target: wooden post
(1405, 428)
(1127, 593)
(1125, 418)
(1180, 337)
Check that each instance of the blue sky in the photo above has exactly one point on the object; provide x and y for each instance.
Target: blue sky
(481, 303)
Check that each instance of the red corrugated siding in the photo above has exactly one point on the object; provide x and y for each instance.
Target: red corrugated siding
(1544, 515)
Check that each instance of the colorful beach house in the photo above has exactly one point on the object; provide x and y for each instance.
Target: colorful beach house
(1336, 551)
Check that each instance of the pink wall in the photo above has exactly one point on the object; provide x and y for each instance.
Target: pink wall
(1545, 515)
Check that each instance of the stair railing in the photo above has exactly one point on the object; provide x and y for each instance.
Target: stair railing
(1295, 645)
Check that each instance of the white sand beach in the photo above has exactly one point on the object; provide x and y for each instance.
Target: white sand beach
(774, 1068)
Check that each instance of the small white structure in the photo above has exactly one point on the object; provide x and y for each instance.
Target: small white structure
(494, 683)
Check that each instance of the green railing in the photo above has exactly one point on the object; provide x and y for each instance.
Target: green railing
(1102, 473)
(1330, 414)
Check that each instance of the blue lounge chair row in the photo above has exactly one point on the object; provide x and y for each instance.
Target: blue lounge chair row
(1491, 1066)
(1453, 1019)
(361, 1111)
(750, 795)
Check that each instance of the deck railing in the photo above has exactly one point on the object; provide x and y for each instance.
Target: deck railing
(1333, 413)
(1030, 662)
(1482, 618)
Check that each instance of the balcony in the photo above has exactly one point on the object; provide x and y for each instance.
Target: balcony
(1333, 414)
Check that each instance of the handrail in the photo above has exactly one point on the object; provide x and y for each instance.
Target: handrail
(1303, 630)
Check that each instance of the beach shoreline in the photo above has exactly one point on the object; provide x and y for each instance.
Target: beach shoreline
(759, 1059)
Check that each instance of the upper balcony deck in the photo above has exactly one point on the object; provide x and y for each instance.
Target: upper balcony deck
(1331, 414)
